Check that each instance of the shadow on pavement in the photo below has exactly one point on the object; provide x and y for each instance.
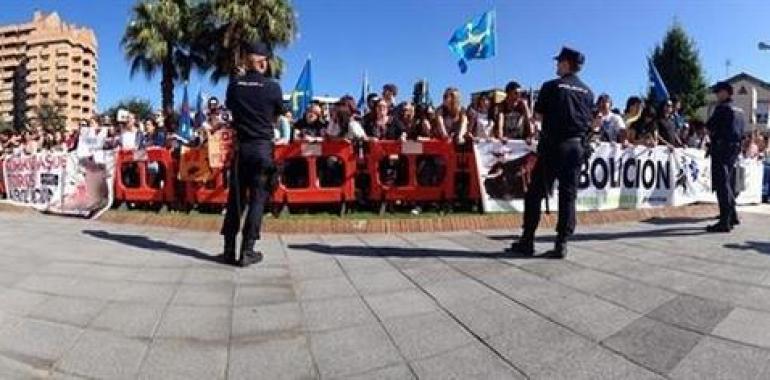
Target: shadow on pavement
(652, 234)
(683, 220)
(759, 246)
(403, 252)
(144, 242)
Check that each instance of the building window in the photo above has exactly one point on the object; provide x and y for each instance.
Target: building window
(761, 118)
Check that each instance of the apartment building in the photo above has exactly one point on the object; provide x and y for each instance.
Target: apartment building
(62, 66)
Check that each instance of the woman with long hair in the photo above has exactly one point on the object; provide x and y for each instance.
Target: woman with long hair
(451, 121)
(479, 124)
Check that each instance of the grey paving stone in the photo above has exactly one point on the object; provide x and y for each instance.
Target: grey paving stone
(380, 282)
(13, 369)
(73, 311)
(746, 326)
(356, 265)
(47, 283)
(20, 302)
(533, 344)
(38, 343)
(593, 317)
(103, 355)
(145, 293)
(596, 363)
(429, 272)
(396, 372)
(196, 322)
(129, 319)
(719, 290)
(325, 288)
(266, 320)
(159, 275)
(353, 350)
(275, 359)
(758, 298)
(657, 346)
(470, 362)
(336, 313)
(401, 303)
(203, 276)
(551, 269)
(420, 336)
(184, 359)
(693, 313)
(316, 269)
(719, 359)
(215, 294)
(636, 296)
(264, 294)
(490, 316)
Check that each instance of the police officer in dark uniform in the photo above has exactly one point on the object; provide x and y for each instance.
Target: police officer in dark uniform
(255, 102)
(726, 127)
(564, 106)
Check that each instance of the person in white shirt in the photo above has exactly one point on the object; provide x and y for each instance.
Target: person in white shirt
(609, 126)
(129, 136)
(343, 125)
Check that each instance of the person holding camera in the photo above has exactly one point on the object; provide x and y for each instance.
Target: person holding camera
(564, 106)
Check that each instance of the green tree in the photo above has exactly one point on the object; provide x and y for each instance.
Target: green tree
(679, 66)
(233, 24)
(50, 117)
(140, 107)
(161, 37)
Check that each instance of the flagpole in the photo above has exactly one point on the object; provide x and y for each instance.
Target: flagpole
(494, 58)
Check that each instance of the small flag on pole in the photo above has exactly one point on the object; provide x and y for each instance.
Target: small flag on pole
(474, 40)
(200, 115)
(659, 91)
(185, 132)
(365, 90)
(303, 92)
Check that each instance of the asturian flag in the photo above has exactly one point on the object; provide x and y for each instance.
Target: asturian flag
(474, 40)
(659, 91)
(185, 131)
(303, 92)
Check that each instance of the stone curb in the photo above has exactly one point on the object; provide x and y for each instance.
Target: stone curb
(395, 225)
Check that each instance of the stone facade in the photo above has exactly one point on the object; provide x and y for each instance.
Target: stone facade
(62, 65)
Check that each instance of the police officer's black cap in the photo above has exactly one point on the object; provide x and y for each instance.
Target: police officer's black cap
(512, 86)
(723, 86)
(258, 48)
(569, 54)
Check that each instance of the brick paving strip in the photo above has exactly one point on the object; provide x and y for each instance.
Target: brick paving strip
(650, 300)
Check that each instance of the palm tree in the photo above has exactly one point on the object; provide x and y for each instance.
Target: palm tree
(236, 23)
(160, 37)
(50, 117)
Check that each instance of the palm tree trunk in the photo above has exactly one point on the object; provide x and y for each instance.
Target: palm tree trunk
(167, 84)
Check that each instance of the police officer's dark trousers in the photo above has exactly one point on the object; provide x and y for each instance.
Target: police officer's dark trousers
(559, 161)
(254, 160)
(723, 159)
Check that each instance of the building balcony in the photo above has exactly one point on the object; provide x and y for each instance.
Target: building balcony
(62, 63)
(62, 89)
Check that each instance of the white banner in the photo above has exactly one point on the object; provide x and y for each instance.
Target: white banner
(61, 183)
(613, 178)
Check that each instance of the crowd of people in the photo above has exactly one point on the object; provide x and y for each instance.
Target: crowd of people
(384, 118)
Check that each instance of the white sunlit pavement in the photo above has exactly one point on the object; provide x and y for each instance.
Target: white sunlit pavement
(658, 299)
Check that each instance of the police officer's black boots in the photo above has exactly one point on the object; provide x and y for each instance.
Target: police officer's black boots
(229, 253)
(248, 254)
(559, 250)
(525, 246)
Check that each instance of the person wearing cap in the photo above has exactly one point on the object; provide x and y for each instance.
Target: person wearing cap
(564, 105)
(726, 127)
(513, 120)
(255, 102)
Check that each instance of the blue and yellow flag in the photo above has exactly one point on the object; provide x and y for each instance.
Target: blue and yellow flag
(365, 90)
(185, 129)
(474, 40)
(659, 91)
(303, 92)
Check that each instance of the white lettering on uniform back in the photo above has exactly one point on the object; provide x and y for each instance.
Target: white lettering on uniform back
(573, 88)
(251, 84)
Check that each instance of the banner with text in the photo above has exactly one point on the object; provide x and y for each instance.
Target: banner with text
(612, 178)
(60, 182)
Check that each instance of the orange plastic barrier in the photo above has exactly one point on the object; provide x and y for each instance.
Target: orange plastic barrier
(134, 180)
(303, 166)
(430, 171)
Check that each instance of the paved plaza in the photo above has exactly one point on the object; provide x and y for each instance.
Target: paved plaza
(649, 300)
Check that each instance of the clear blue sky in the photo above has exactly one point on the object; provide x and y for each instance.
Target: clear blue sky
(401, 41)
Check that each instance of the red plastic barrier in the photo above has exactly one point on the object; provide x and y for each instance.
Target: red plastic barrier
(417, 155)
(143, 192)
(213, 192)
(466, 163)
(312, 192)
